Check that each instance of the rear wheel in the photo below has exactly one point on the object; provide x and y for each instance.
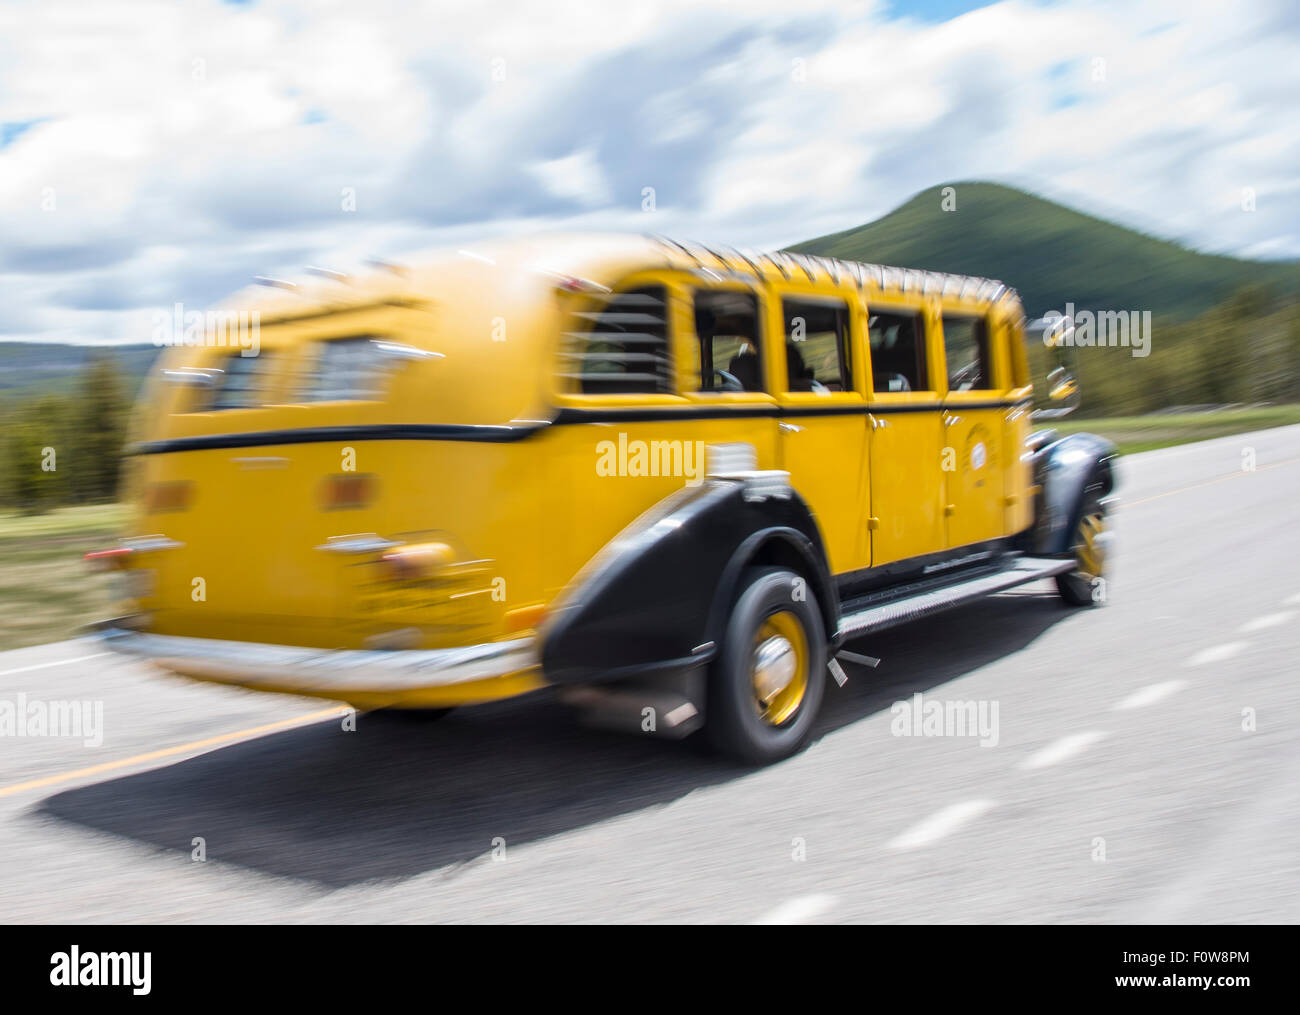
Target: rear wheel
(767, 684)
(1085, 585)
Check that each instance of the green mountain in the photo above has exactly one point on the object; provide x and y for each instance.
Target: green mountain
(1049, 253)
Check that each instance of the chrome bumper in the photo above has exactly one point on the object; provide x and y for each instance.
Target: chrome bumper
(320, 671)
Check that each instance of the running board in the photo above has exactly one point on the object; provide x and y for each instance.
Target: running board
(879, 616)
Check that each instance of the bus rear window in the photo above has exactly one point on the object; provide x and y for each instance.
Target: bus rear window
(239, 383)
(347, 369)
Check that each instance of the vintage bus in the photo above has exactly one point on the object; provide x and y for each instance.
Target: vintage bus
(638, 470)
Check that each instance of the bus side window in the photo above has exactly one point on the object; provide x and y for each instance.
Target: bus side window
(817, 345)
(966, 349)
(897, 352)
(726, 325)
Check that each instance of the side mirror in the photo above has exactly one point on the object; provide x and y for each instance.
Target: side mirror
(1062, 384)
(1061, 387)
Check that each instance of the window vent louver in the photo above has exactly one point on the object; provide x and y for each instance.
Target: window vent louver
(620, 347)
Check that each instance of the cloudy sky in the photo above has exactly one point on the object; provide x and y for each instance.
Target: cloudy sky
(152, 152)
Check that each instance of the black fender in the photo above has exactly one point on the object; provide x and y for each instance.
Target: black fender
(1064, 470)
(657, 597)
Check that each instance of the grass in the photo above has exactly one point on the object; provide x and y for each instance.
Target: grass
(1147, 433)
(46, 592)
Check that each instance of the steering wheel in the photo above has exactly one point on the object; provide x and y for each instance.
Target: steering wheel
(730, 382)
(964, 379)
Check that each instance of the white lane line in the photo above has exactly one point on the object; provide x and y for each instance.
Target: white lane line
(800, 910)
(1059, 750)
(939, 824)
(1217, 653)
(1149, 695)
(59, 662)
(1266, 621)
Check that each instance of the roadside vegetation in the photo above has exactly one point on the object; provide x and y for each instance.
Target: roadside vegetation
(1163, 430)
(46, 592)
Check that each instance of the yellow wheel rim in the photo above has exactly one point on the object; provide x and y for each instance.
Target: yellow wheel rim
(779, 667)
(1090, 551)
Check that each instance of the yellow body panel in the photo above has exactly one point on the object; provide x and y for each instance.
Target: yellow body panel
(524, 515)
(907, 481)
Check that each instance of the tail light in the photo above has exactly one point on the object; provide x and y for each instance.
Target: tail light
(347, 491)
(108, 560)
(174, 495)
(525, 618)
(418, 560)
(117, 557)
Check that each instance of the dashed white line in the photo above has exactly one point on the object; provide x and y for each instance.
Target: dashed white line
(1217, 653)
(1266, 621)
(800, 910)
(57, 662)
(1059, 750)
(939, 824)
(1149, 695)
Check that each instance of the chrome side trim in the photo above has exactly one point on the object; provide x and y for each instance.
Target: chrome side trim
(323, 670)
(913, 607)
(149, 544)
(366, 542)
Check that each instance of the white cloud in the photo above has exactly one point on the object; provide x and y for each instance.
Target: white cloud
(576, 177)
(181, 148)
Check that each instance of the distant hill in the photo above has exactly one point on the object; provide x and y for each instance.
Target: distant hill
(1049, 253)
(29, 367)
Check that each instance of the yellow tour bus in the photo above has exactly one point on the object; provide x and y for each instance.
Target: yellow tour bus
(671, 481)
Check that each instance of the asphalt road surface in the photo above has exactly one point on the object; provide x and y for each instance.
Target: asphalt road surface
(1147, 769)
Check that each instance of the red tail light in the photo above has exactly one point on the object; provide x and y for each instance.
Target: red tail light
(171, 496)
(108, 560)
(348, 491)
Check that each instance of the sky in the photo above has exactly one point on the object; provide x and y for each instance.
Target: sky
(162, 152)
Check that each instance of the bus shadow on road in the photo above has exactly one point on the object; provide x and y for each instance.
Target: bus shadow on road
(398, 797)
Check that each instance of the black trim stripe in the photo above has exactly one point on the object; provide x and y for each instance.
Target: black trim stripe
(505, 434)
(343, 434)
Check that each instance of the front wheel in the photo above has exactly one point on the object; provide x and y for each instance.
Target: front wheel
(767, 684)
(1086, 584)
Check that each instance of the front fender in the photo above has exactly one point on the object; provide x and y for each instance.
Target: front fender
(655, 598)
(1063, 470)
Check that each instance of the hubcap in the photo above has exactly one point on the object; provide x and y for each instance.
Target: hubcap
(1091, 549)
(779, 670)
(774, 666)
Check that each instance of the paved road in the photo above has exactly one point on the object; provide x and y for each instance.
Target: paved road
(1123, 786)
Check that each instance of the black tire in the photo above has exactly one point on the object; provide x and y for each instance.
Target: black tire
(734, 715)
(1079, 587)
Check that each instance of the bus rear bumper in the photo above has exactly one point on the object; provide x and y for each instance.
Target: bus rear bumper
(365, 677)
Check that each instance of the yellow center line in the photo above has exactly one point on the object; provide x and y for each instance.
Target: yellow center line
(168, 752)
(1210, 482)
